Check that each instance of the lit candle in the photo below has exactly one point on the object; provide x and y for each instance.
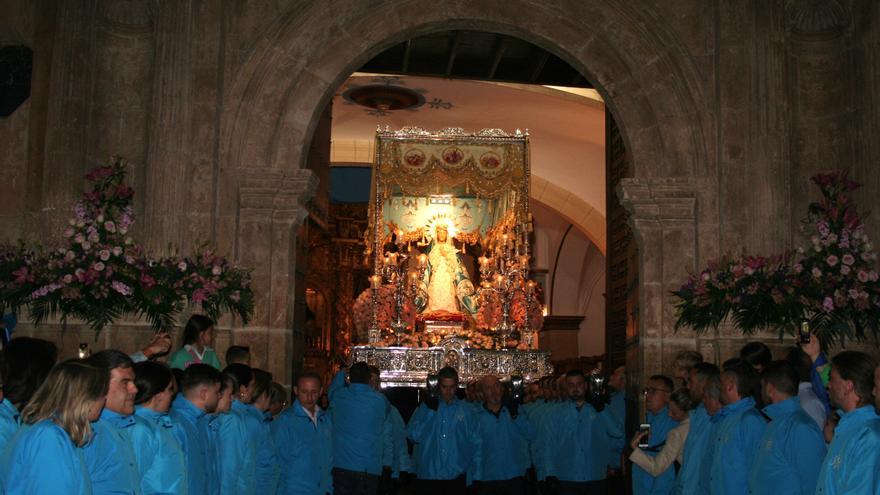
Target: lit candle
(374, 281)
(524, 261)
(386, 261)
(392, 258)
(530, 287)
(499, 281)
(423, 260)
(484, 261)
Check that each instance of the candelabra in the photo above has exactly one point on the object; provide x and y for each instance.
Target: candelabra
(406, 283)
(505, 273)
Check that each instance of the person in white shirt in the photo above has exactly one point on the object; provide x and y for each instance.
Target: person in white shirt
(680, 404)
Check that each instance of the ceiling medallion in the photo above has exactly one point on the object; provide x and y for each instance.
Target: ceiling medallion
(384, 97)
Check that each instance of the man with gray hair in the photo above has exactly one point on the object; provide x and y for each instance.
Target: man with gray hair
(702, 384)
(682, 364)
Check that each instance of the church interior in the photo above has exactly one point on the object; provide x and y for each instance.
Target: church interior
(659, 137)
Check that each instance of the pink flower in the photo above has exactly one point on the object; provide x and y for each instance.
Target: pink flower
(873, 276)
(104, 255)
(98, 266)
(68, 232)
(21, 275)
(147, 281)
(828, 304)
(182, 266)
(79, 238)
(110, 226)
(121, 288)
(117, 250)
(199, 295)
(845, 269)
(848, 259)
(817, 273)
(99, 173)
(863, 276)
(86, 245)
(217, 270)
(69, 256)
(831, 260)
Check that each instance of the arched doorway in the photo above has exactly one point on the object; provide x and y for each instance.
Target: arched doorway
(274, 105)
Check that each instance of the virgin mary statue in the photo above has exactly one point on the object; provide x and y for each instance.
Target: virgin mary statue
(446, 281)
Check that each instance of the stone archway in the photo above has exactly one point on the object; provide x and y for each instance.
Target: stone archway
(649, 82)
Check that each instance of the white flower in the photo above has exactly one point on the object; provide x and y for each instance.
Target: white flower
(845, 269)
(86, 246)
(98, 266)
(181, 266)
(79, 238)
(80, 224)
(104, 254)
(123, 230)
(72, 222)
(68, 278)
(100, 218)
(117, 250)
(217, 270)
(817, 272)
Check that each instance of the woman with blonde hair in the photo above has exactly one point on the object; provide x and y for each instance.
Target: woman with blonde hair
(680, 404)
(45, 457)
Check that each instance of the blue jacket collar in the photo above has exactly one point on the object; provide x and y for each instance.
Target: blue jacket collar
(297, 410)
(661, 413)
(736, 407)
(187, 408)
(783, 409)
(855, 418)
(116, 419)
(9, 406)
(156, 416)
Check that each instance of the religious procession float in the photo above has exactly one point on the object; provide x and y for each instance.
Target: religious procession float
(449, 245)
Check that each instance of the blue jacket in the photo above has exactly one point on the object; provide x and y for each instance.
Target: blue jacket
(504, 443)
(110, 457)
(362, 436)
(159, 456)
(696, 448)
(617, 408)
(10, 420)
(236, 456)
(305, 449)
(400, 461)
(41, 460)
(538, 414)
(575, 438)
(739, 427)
(790, 453)
(191, 431)
(448, 441)
(643, 482)
(852, 464)
(267, 468)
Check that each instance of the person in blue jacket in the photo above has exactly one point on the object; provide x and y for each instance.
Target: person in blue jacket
(505, 433)
(446, 434)
(26, 363)
(738, 430)
(199, 395)
(362, 436)
(45, 456)
(617, 409)
(703, 385)
(252, 411)
(852, 464)
(237, 462)
(401, 464)
(159, 457)
(110, 458)
(576, 453)
(303, 439)
(792, 448)
(657, 395)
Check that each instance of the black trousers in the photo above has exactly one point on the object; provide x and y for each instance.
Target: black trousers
(347, 482)
(457, 486)
(581, 487)
(513, 486)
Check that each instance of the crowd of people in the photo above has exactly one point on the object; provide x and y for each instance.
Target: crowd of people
(112, 423)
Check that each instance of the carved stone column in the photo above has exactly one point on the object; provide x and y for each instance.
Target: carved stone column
(271, 208)
(663, 218)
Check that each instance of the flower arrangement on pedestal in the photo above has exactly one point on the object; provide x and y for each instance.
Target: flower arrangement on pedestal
(99, 274)
(362, 310)
(831, 282)
(490, 313)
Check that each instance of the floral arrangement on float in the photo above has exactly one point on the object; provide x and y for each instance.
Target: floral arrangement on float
(99, 274)
(831, 282)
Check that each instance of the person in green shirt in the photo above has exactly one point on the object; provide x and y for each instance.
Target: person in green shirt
(198, 335)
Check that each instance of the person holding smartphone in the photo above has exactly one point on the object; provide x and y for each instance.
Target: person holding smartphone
(657, 395)
(680, 404)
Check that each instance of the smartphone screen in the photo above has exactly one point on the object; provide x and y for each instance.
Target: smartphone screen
(644, 427)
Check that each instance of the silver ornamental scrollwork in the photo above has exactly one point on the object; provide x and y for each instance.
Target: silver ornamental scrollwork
(405, 367)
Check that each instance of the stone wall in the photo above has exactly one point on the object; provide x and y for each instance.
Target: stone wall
(725, 109)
